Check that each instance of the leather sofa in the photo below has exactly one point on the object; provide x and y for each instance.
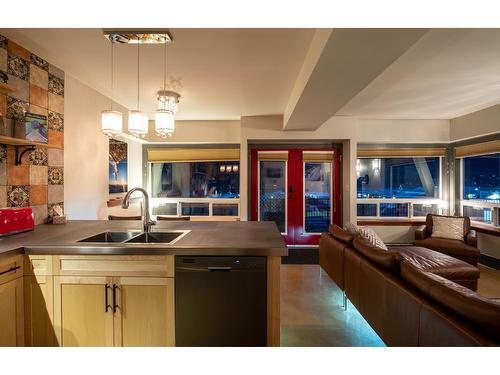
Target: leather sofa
(411, 296)
(465, 250)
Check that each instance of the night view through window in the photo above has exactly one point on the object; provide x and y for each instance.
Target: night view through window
(482, 178)
(398, 178)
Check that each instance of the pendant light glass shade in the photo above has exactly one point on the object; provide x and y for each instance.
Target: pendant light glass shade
(138, 123)
(164, 123)
(111, 123)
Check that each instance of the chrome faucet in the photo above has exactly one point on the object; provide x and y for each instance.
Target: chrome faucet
(148, 222)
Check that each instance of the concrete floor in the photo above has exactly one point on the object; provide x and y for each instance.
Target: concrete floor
(312, 313)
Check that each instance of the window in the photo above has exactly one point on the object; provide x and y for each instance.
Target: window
(217, 179)
(481, 188)
(398, 186)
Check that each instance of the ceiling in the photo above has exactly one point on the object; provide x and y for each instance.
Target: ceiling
(447, 73)
(225, 73)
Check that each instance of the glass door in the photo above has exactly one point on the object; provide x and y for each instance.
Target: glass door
(297, 189)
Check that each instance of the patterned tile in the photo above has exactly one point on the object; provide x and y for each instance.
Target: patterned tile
(3, 60)
(56, 176)
(17, 67)
(3, 154)
(3, 173)
(18, 196)
(16, 49)
(51, 206)
(56, 138)
(56, 103)
(39, 156)
(54, 70)
(56, 85)
(39, 96)
(3, 196)
(39, 110)
(56, 193)
(39, 62)
(39, 77)
(38, 174)
(18, 174)
(16, 108)
(3, 42)
(56, 157)
(40, 213)
(56, 121)
(38, 195)
(3, 104)
(21, 86)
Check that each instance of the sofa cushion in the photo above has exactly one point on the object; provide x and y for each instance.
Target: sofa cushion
(429, 222)
(384, 258)
(448, 227)
(450, 247)
(436, 263)
(351, 228)
(341, 234)
(372, 237)
(484, 313)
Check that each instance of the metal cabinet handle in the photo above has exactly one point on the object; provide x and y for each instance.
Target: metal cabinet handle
(219, 268)
(106, 303)
(11, 269)
(115, 305)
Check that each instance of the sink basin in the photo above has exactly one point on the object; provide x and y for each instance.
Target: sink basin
(111, 236)
(158, 237)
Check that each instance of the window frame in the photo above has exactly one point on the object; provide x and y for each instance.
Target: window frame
(409, 201)
(477, 203)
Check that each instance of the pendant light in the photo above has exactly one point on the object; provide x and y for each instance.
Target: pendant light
(138, 120)
(111, 121)
(164, 115)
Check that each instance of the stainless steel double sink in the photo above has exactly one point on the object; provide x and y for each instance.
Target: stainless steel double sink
(166, 238)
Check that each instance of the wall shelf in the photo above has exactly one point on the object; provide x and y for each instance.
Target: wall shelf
(22, 143)
(5, 88)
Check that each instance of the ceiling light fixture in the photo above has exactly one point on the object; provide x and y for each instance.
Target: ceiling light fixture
(111, 121)
(138, 36)
(167, 105)
(138, 120)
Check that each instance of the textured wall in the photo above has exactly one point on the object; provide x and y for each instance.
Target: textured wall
(39, 181)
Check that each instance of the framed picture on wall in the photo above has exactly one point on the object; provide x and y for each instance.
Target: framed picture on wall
(36, 128)
(118, 177)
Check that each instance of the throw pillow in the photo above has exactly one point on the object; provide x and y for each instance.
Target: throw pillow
(448, 227)
(351, 228)
(369, 235)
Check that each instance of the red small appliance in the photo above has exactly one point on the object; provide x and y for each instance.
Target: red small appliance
(16, 220)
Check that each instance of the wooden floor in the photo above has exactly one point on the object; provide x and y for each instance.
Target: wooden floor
(312, 313)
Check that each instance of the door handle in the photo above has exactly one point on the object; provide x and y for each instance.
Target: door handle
(106, 302)
(219, 268)
(11, 269)
(115, 306)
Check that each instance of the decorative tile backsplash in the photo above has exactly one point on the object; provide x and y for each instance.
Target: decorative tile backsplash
(39, 181)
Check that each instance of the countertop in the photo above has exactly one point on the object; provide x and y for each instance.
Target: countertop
(205, 238)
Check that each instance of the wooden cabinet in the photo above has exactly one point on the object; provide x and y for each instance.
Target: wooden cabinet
(145, 312)
(38, 311)
(11, 313)
(11, 301)
(109, 309)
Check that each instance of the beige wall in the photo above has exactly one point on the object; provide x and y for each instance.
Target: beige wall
(484, 122)
(200, 132)
(86, 159)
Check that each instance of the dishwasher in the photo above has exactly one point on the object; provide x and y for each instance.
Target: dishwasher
(220, 301)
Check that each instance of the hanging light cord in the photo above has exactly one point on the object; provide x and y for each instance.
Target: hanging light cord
(165, 66)
(112, 75)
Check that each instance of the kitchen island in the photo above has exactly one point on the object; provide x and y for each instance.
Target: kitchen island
(49, 280)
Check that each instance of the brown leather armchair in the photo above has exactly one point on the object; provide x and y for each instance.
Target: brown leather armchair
(465, 250)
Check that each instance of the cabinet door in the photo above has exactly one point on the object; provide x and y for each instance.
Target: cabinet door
(145, 312)
(80, 316)
(39, 311)
(11, 313)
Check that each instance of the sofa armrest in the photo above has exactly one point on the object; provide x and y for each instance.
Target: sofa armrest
(471, 238)
(421, 233)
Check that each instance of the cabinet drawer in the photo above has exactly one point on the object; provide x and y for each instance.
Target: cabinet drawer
(38, 265)
(11, 267)
(114, 265)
